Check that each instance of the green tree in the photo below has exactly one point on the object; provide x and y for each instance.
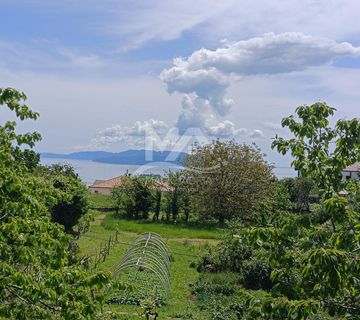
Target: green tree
(303, 187)
(73, 206)
(74, 200)
(138, 200)
(226, 180)
(143, 198)
(300, 190)
(186, 204)
(321, 152)
(173, 179)
(310, 268)
(119, 193)
(157, 206)
(29, 158)
(353, 186)
(37, 279)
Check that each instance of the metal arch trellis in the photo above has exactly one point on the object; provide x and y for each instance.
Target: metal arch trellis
(150, 252)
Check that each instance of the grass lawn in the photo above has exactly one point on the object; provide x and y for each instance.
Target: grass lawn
(166, 230)
(100, 201)
(185, 243)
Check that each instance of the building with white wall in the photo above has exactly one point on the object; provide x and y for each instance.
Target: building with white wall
(352, 172)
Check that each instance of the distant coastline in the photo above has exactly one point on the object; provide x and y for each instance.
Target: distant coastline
(99, 165)
(90, 170)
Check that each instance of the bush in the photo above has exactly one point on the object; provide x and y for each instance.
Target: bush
(229, 255)
(72, 195)
(300, 191)
(73, 204)
(84, 222)
(215, 284)
(256, 274)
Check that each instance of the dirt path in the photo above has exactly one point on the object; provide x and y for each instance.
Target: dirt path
(188, 240)
(98, 219)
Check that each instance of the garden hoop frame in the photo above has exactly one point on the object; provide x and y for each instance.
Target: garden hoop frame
(148, 251)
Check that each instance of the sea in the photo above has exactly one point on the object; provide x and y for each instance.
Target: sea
(89, 171)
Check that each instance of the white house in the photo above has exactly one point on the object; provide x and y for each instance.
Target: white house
(352, 172)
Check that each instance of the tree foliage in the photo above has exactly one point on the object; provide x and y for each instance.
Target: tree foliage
(300, 190)
(37, 278)
(226, 180)
(73, 202)
(174, 195)
(299, 266)
(135, 196)
(321, 152)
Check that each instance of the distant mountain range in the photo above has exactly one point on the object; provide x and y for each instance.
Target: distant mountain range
(136, 157)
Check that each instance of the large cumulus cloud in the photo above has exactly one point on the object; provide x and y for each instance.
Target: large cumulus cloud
(206, 74)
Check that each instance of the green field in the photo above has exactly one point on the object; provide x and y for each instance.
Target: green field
(100, 201)
(185, 243)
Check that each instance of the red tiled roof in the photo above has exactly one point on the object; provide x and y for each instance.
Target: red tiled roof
(111, 183)
(162, 186)
(97, 182)
(117, 181)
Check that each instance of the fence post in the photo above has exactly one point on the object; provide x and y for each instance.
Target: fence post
(109, 245)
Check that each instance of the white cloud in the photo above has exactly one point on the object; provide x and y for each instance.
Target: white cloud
(226, 129)
(197, 113)
(269, 54)
(156, 134)
(273, 126)
(77, 59)
(160, 134)
(207, 74)
(257, 134)
(134, 135)
(137, 23)
(138, 129)
(47, 56)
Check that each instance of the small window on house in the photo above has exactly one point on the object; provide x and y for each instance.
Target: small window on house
(96, 191)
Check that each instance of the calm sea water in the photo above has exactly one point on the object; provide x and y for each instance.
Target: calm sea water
(89, 171)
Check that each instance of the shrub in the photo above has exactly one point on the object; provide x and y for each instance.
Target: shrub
(72, 195)
(73, 204)
(256, 274)
(300, 191)
(215, 284)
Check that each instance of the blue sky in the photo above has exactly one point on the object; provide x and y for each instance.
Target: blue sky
(102, 74)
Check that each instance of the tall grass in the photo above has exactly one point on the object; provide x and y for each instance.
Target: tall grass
(167, 230)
